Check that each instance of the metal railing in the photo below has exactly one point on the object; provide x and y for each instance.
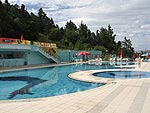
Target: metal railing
(36, 48)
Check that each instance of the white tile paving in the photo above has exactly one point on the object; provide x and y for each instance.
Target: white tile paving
(118, 96)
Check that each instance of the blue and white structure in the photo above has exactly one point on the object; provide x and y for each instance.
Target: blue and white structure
(12, 54)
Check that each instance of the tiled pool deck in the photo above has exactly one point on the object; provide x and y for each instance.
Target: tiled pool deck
(118, 96)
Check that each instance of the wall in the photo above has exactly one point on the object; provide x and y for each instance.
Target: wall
(35, 58)
(19, 56)
(11, 62)
(11, 58)
(67, 55)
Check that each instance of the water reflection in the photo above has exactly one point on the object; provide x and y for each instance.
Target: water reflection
(31, 81)
(122, 74)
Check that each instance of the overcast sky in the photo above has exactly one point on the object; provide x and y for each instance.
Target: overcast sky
(130, 18)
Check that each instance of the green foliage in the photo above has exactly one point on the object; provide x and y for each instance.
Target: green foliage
(43, 38)
(55, 34)
(127, 48)
(70, 26)
(15, 20)
(101, 48)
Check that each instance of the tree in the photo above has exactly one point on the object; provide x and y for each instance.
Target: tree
(7, 5)
(70, 26)
(55, 34)
(84, 33)
(42, 16)
(16, 20)
(106, 38)
(43, 38)
(111, 37)
(127, 48)
(34, 25)
(1, 14)
(71, 34)
(78, 45)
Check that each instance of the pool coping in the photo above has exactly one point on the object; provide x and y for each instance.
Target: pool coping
(19, 68)
(120, 97)
(76, 76)
(87, 76)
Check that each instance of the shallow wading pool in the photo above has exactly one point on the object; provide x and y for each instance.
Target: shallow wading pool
(123, 74)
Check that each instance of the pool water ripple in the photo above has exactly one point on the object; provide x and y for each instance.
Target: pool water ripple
(123, 74)
(44, 82)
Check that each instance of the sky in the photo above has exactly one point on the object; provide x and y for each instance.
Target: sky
(128, 18)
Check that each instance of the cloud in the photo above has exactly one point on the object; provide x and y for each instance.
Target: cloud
(128, 18)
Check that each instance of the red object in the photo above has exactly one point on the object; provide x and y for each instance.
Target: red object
(106, 56)
(121, 55)
(84, 53)
(21, 38)
(133, 56)
(95, 56)
(148, 55)
(8, 40)
(98, 56)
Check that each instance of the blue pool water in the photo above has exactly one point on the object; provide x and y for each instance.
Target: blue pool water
(44, 82)
(123, 74)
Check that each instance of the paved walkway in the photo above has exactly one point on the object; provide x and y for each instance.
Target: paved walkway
(118, 96)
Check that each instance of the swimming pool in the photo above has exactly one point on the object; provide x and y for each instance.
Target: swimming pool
(123, 74)
(44, 82)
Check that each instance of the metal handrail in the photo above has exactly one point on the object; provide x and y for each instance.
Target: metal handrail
(36, 48)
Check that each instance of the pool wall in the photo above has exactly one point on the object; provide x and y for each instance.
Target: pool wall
(66, 55)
